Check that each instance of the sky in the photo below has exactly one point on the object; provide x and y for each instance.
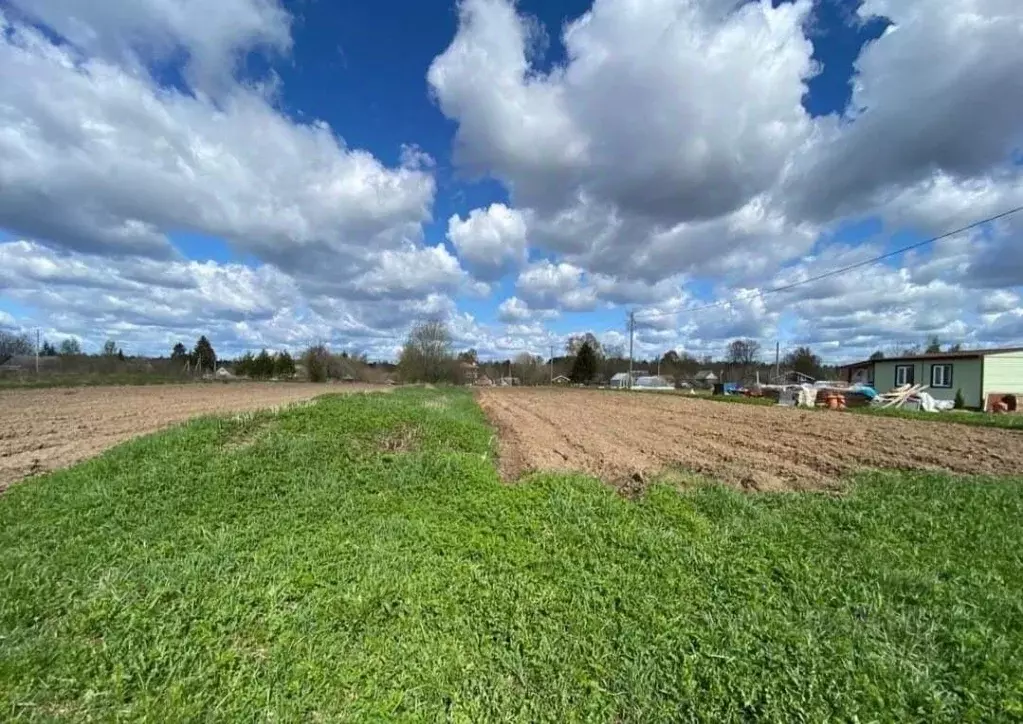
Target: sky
(277, 174)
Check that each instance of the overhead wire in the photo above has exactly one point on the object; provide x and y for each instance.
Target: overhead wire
(641, 316)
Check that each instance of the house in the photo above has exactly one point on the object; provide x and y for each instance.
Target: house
(705, 378)
(561, 380)
(982, 375)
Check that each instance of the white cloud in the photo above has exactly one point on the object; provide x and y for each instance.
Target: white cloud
(514, 310)
(673, 140)
(213, 36)
(556, 286)
(95, 157)
(412, 272)
(490, 241)
(914, 111)
(663, 132)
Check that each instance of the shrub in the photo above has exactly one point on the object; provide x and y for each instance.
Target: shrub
(316, 360)
(960, 403)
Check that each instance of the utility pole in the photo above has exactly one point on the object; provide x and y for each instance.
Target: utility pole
(552, 364)
(37, 351)
(632, 334)
(777, 359)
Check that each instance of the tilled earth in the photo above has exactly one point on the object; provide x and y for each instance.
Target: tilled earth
(46, 429)
(622, 437)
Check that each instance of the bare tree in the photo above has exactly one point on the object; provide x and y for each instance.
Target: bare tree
(576, 342)
(427, 355)
(744, 352)
(14, 344)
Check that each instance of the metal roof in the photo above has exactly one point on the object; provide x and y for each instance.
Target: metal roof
(961, 354)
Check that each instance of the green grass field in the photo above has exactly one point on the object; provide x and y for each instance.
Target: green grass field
(358, 559)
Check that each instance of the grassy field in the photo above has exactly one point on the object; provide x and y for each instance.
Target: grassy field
(956, 417)
(358, 558)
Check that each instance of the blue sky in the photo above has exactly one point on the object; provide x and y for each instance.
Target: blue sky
(275, 174)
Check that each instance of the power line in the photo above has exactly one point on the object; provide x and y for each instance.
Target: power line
(835, 272)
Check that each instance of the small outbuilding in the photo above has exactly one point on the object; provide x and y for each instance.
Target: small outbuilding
(621, 381)
(984, 376)
(705, 378)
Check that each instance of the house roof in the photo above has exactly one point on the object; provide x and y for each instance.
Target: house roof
(620, 376)
(705, 375)
(961, 354)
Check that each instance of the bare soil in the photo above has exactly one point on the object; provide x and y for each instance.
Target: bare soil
(624, 438)
(46, 429)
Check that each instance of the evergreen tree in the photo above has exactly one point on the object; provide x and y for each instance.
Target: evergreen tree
(179, 352)
(284, 365)
(203, 356)
(47, 350)
(585, 366)
(264, 366)
(245, 366)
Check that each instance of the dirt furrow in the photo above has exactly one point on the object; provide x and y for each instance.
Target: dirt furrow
(616, 435)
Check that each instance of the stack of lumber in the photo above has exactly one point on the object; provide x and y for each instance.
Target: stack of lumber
(899, 396)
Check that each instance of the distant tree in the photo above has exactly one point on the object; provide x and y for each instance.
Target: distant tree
(47, 350)
(957, 347)
(179, 353)
(933, 345)
(614, 351)
(804, 361)
(203, 356)
(670, 359)
(316, 360)
(263, 366)
(427, 355)
(585, 366)
(575, 343)
(14, 344)
(744, 352)
(120, 355)
(879, 355)
(109, 348)
(284, 365)
(245, 366)
(70, 347)
(470, 356)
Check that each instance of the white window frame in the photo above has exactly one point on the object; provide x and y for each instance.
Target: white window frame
(911, 375)
(945, 367)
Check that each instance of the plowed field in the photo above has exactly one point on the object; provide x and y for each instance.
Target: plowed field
(620, 436)
(42, 430)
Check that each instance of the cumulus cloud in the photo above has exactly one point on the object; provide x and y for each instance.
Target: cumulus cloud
(98, 158)
(915, 111)
(546, 285)
(490, 241)
(631, 150)
(212, 36)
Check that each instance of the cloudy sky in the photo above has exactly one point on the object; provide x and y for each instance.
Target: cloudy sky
(275, 174)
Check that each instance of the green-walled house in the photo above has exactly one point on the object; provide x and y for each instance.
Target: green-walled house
(983, 375)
